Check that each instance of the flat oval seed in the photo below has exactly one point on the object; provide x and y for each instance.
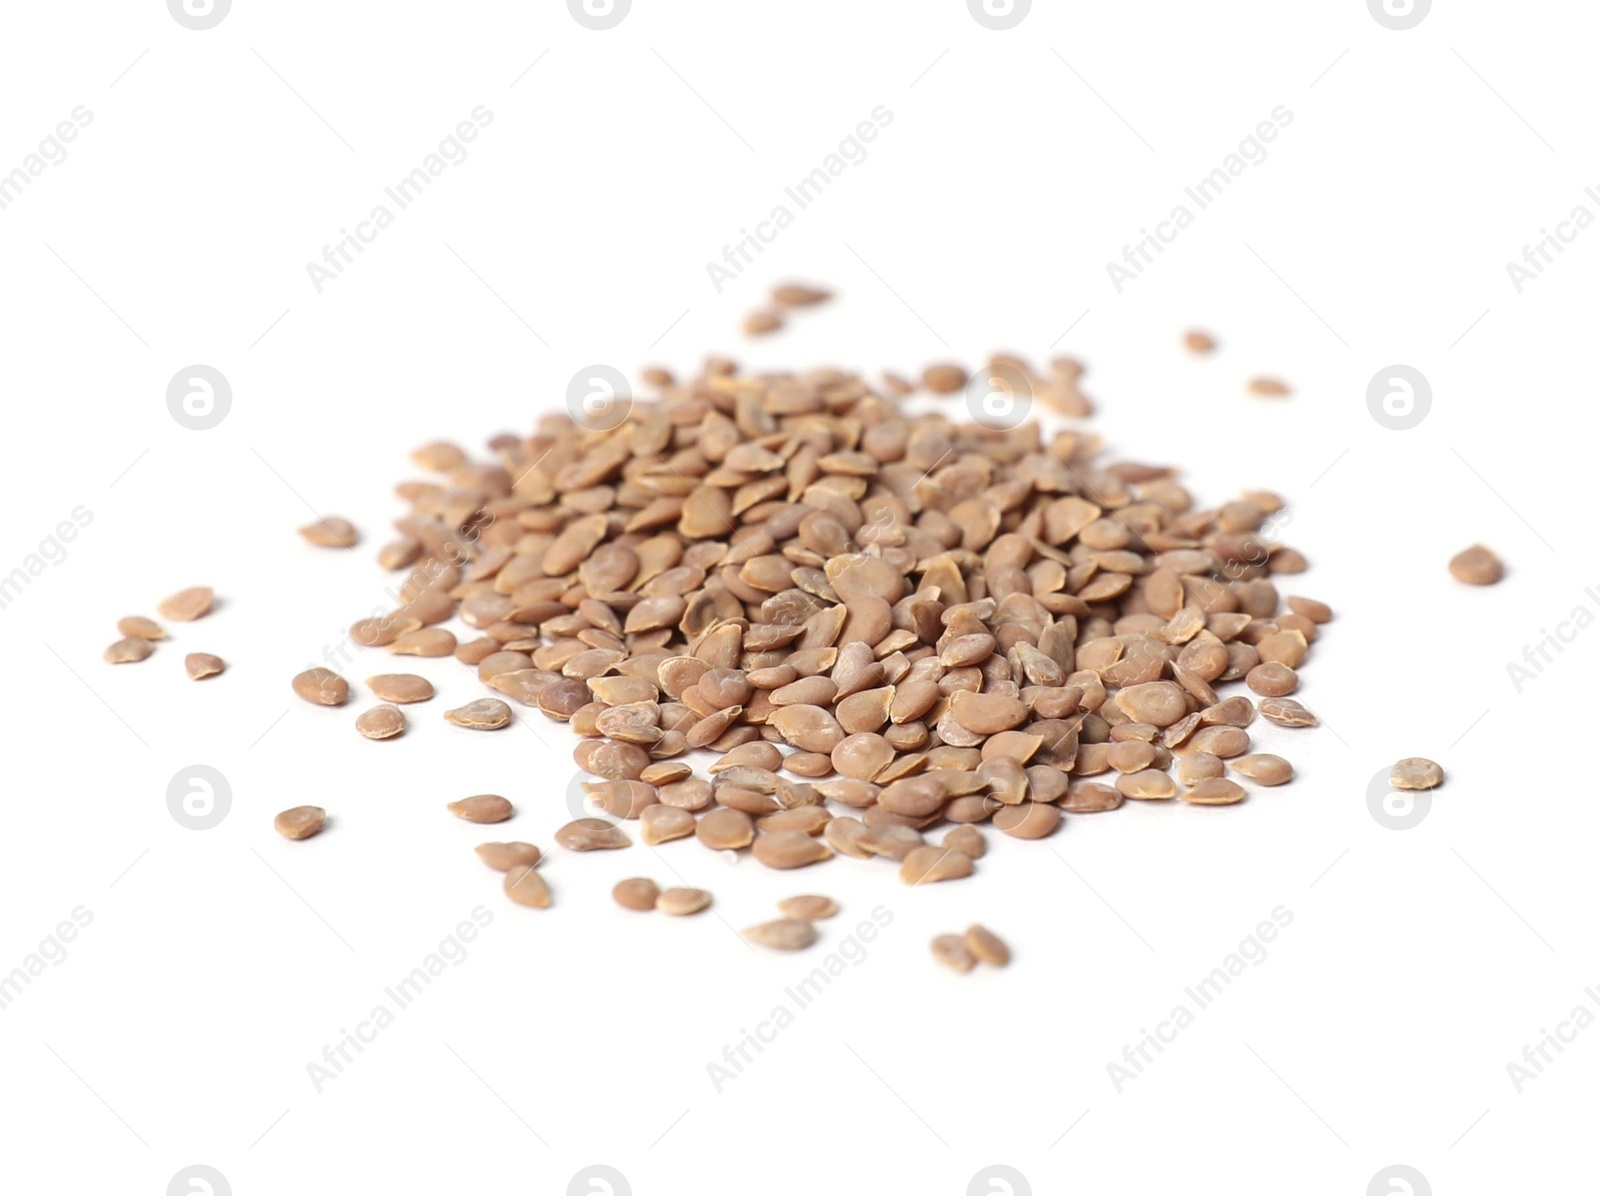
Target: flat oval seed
(661, 824)
(1264, 768)
(128, 651)
(1159, 703)
(1272, 680)
(485, 714)
(1030, 820)
(789, 849)
(1218, 791)
(425, 641)
(401, 688)
(1415, 772)
(331, 531)
(968, 840)
(301, 822)
(591, 834)
(1090, 797)
(381, 722)
(200, 665)
(927, 865)
(525, 886)
(321, 687)
(504, 856)
(139, 627)
(1152, 784)
(726, 829)
(1200, 766)
(1477, 566)
(186, 605)
(986, 714)
(784, 934)
(680, 901)
(484, 807)
(952, 951)
(1287, 712)
(987, 946)
(637, 893)
(809, 907)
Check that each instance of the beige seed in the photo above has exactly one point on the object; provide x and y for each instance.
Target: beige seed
(1131, 756)
(1089, 797)
(484, 807)
(637, 893)
(783, 934)
(944, 379)
(301, 822)
(1272, 680)
(809, 907)
(1477, 566)
(591, 834)
(425, 641)
(1317, 612)
(986, 714)
(1152, 784)
(928, 865)
(1030, 820)
(662, 823)
(139, 627)
(1287, 712)
(1264, 768)
(987, 946)
(186, 605)
(321, 687)
(794, 294)
(200, 665)
(1199, 766)
(400, 688)
(485, 714)
(789, 849)
(525, 886)
(725, 829)
(1197, 341)
(1159, 703)
(504, 856)
(381, 722)
(759, 323)
(849, 836)
(331, 532)
(952, 951)
(681, 902)
(1226, 742)
(1415, 772)
(968, 840)
(128, 651)
(1218, 791)
(1269, 388)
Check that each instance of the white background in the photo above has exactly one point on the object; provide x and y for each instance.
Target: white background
(578, 230)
